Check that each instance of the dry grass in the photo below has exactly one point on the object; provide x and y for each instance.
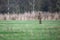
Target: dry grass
(30, 16)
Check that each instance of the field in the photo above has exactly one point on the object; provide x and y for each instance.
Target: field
(30, 30)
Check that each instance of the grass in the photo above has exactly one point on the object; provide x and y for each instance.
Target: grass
(29, 30)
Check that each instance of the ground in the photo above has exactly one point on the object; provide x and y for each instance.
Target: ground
(30, 30)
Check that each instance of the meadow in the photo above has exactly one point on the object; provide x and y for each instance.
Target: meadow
(29, 30)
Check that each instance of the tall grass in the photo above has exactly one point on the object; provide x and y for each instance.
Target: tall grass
(30, 16)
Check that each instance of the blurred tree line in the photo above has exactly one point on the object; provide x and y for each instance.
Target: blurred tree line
(20, 6)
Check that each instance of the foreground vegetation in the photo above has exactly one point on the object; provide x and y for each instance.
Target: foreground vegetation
(29, 30)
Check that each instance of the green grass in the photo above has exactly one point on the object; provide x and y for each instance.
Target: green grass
(30, 30)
